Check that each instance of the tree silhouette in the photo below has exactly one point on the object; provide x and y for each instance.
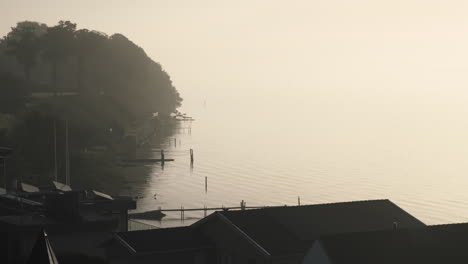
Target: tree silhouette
(87, 43)
(23, 43)
(13, 93)
(130, 87)
(58, 44)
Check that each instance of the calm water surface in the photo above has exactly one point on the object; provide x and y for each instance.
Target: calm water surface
(271, 158)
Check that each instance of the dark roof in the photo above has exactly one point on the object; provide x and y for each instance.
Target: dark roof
(5, 152)
(165, 240)
(42, 252)
(432, 244)
(283, 230)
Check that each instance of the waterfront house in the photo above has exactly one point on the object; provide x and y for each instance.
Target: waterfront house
(284, 234)
(431, 244)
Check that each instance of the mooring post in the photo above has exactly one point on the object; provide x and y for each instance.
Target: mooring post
(298, 200)
(191, 156)
(162, 157)
(206, 184)
(242, 205)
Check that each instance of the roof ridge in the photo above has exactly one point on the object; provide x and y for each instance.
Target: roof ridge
(245, 235)
(345, 202)
(310, 205)
(448, 224)
(406, 213)
(125, 243)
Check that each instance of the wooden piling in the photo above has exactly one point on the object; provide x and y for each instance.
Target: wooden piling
(204, 209)
(298, 200)
(175, 142)
(162, 157)
(191, 156)
(206, 184)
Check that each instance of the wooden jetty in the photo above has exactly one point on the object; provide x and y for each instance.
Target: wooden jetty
(147, 160)
(159, 214)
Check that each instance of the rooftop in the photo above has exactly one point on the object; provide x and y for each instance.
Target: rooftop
(282, 230)
(164, 240)
(431, 244)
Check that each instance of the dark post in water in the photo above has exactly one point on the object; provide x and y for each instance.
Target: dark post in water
(191, 156)
(162, 157)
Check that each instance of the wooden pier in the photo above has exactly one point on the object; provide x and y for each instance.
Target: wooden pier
(146, 160)
(159, 214)
(213, 208)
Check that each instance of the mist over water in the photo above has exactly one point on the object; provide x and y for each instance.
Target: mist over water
(270, 150)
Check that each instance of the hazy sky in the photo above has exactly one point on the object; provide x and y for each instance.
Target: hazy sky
(362, 55)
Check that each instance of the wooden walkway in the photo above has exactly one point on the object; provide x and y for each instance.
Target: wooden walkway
(159, 214)
(211, 208)
(146, 160)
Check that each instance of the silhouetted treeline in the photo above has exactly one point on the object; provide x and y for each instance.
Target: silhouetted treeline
(63, 59)
(103, 86)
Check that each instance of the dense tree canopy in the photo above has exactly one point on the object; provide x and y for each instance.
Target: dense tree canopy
(23, 43)
(14, 94)
(61, 58)
(104, 88)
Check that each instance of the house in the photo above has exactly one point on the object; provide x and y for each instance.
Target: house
(431, 244)
(284, 234)
(168, 245)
